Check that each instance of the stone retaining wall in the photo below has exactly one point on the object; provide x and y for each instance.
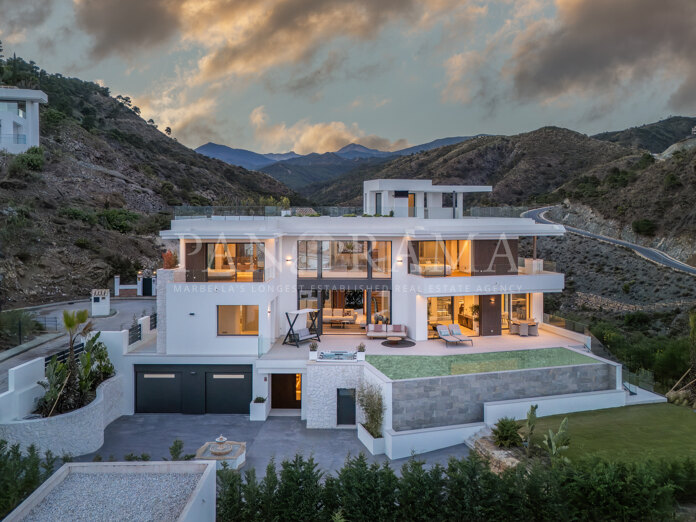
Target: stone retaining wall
(319, 390)
(77, 432)
(459, 399)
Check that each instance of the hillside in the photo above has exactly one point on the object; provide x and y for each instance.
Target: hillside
(519, 167)
(95, 206)
(302, 173)
(655, 137)
(240, 157)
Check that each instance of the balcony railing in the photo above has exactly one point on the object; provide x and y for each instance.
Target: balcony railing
(13, 139)
(224, 276)
(12, 108)
(243, 212)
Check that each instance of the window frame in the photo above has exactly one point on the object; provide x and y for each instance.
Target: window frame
(217, 321)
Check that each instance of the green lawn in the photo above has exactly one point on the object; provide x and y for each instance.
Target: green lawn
(632, 433)
(415, 366)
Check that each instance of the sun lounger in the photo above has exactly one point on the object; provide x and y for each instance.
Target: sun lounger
(455, 331)
(444, 334)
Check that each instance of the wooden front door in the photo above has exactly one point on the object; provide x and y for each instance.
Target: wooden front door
(490, 320)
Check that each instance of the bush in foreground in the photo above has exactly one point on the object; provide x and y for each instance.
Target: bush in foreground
(464, 489)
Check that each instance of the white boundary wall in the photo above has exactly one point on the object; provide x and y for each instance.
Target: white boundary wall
(75, 433)
(23, 390)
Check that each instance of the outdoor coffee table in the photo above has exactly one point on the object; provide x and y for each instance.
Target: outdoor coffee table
(394, 340)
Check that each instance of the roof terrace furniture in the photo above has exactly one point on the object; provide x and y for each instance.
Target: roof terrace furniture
(455, 331)
(533, 329)
(382, 331)
(296, 336)
(444, 334)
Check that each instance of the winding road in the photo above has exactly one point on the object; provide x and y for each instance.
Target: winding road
(651, 254)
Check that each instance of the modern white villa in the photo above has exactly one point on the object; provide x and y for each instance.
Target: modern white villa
(19, 118)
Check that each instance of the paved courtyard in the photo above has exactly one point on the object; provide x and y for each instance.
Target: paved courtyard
(279, 437)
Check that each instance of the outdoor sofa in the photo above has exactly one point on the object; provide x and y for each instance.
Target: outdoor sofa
(382, 331)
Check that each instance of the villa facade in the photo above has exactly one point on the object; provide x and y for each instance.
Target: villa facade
(19, 118)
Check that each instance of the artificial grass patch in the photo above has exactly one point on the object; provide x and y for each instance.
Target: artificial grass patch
(417, 366)
(629, 434)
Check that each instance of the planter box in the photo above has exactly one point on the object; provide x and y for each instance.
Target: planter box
(374, 446)
(77, 432)
(361, 356)
(313, 356)
(258, 411)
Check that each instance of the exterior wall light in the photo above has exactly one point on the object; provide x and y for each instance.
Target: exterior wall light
(399, 260)
(288, 259)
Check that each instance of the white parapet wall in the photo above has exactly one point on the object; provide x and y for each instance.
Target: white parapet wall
(401, 444)
(74, 433)
(553, 405)
(23, 390)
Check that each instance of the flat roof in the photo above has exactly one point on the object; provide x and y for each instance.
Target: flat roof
(14, 94)
(231, 227)
(420, 185)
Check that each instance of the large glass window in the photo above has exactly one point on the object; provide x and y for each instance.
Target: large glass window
(440, 258)
(381, 307)
(307, 257)
(241, 262)
(344, 259)
(238, 320)
(519, 306)
(461, 310)
(381, 259)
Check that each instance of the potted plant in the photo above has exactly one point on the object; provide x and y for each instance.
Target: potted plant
(476, 314)
(371, 403)
(361, 352)
(313, 346)
(259, 408)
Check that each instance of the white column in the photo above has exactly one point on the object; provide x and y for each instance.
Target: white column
(117, 285)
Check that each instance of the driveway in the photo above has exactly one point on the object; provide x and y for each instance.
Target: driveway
(121, 320)
(279, 437)
(652, 254)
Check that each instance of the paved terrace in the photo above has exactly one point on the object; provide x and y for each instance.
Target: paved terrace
(499, 343)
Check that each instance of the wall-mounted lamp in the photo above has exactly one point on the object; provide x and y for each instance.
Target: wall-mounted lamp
(491, 300)
(288, 259)
(192, 313)
(399, 260)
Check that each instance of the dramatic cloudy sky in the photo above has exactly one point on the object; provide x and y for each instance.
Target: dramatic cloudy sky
(314, 75)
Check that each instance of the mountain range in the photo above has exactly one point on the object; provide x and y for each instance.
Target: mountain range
(109, 181)
(300, 171)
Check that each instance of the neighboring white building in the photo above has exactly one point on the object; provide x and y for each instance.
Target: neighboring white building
(19, 118)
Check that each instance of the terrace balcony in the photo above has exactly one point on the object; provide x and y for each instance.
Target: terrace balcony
(435, 347)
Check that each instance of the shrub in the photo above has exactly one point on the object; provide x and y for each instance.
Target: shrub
(557, 443)
(506, 433)
(371, 403)
(83, 243)
(118, 219)
(361, 347)
(260, 400)
(299, 492)
(169, 260)
(78, 214)
(31, 160)
(313, 346)
(21, 474)
(644, 227)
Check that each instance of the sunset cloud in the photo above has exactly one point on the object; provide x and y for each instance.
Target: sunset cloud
(16, 17)
(304, 137)
(596, 47)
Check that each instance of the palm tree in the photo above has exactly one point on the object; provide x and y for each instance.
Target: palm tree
(76, 324)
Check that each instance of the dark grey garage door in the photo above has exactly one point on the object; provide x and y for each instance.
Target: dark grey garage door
(195, 389)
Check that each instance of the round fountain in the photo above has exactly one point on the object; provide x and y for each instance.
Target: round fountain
(223, 450)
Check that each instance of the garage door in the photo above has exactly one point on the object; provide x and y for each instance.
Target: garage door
(194, 389)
